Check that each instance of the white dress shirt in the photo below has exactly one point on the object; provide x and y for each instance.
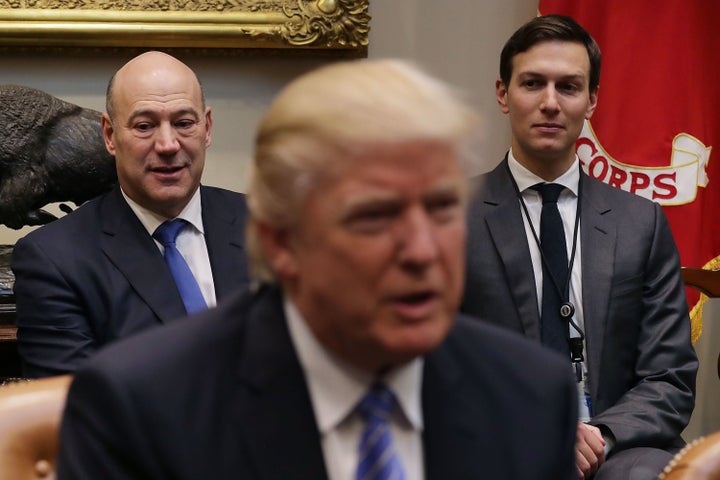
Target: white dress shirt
(336, 388)
(567, 205)
(190, 241)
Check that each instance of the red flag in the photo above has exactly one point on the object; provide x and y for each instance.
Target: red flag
(657, 117)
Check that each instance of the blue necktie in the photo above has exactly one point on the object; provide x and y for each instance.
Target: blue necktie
(554, 329)
(187, 285)
(377, 457)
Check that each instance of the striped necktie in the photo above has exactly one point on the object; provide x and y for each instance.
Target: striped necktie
(377, 457)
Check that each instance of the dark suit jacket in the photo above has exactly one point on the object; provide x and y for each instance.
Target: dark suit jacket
(641, 363)
(96, 275)
(222, 395)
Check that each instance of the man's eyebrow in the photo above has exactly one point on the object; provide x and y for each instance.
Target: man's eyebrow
(380, 196)
(370, 199)
(570, 76)
(146, 112)
(445, 187)
(577, 77)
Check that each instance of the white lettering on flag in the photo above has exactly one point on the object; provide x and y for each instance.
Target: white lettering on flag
(675, 184)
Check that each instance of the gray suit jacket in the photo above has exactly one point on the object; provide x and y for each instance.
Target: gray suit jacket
(223, 395)
(641, 363)
(95, 276)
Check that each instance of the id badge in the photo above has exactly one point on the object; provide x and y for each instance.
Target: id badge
(584, 402)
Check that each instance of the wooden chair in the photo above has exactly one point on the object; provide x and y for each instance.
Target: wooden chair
(707, 282)
(30, 413)
(699, 460)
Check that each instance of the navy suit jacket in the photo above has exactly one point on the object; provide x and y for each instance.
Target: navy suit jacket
(641, 363)
(95, 276)
(222, 395)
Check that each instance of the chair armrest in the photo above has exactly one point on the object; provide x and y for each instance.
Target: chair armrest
(699, 460)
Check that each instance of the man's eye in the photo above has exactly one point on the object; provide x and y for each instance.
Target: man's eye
(143, 127)
(567, 87)
(185, 124)
(444, 209)
(370, 221)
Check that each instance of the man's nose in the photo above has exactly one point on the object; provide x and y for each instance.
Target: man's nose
(166, 139)
(549, 101)
(419, 242)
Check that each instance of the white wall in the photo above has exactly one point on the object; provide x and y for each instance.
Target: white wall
(458, 40)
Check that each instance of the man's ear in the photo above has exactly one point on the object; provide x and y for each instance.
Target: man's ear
(107, 130)
(592, 104)
(208, 127)
(277, 246)
(501, 95)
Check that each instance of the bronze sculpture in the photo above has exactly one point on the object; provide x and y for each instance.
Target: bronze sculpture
(50, 151)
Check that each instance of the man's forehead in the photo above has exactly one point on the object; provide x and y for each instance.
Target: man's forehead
(556, 46)
(158, 98)
(549, 54)
(378, 193)
(405, 169)
(156, 82)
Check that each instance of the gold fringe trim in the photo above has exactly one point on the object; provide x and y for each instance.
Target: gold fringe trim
(696, 313)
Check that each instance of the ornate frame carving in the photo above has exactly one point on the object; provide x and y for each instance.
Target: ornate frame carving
(338, 26)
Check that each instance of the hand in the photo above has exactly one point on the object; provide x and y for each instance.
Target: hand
(589, 450)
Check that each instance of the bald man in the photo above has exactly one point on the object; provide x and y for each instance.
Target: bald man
(98, 274)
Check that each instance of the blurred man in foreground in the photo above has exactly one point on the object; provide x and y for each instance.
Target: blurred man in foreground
(350, 360)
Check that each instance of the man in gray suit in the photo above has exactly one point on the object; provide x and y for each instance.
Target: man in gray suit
(619, 313)
(98, 275)
(357, 207)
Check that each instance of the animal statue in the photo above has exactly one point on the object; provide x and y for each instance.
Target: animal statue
(50, 151)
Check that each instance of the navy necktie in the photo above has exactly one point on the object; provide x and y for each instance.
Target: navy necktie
(187, 285)
(377, 457)
(554, 329)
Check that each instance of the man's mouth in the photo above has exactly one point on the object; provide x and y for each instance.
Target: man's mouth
(416, 305)
(549, 127)
(167, 169)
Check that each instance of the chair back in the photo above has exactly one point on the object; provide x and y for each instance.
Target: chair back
(30, 413)
(707, 282)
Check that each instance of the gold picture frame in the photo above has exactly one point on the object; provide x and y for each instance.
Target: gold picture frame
(335, 26)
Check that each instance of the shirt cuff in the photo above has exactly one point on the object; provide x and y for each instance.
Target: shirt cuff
(608, 437)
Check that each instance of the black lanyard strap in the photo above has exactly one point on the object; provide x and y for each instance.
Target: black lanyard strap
(567, 310)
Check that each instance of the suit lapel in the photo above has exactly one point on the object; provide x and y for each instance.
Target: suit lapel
(507, 230)
(224, 231)
(278, 425)
(452, 449)
(133, 252)
(598, 236)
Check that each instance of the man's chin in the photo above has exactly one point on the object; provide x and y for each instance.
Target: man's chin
(420, 340)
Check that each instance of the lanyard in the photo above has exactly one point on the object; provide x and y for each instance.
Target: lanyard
(567, 309)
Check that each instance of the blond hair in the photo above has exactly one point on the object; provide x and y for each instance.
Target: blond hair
(327, 116)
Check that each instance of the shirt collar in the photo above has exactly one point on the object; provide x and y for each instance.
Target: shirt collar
(192, 213)
(526, 179)
(336, 387)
